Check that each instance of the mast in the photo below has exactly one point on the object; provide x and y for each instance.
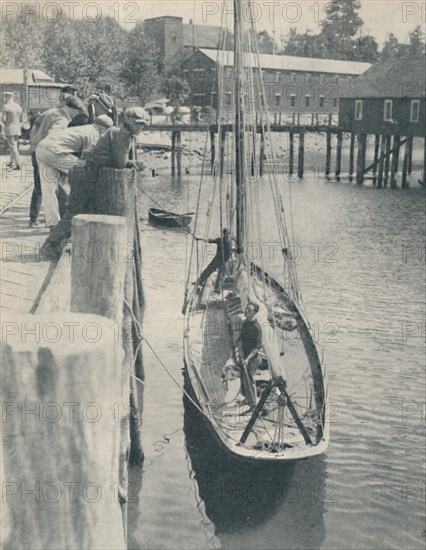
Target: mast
(239, 121)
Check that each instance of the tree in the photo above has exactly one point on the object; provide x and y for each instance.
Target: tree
(339, 28)
(22, 42)
(265, 43)
(392, 49)
(366, 49)
(304, 45)
(417, 41)
(140, 71)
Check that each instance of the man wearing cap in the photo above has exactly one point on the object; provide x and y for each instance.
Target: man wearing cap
(57, 153)
(56, 118)
(115, 149)
(11, 119)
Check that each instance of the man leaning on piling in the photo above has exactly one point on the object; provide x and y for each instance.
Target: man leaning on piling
(57, 153)
(115, 149)
(56, 118)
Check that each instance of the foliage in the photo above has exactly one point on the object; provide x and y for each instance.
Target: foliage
(393, 49)
(304, 45)
(140, 67)
(265, 43)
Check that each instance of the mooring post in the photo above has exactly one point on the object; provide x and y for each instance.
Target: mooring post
(328, 152)
(212, 148)
(173, 153)
(80, 366)
(381, 162)
(395, 156)
(339, 154)
(179, 152)
(262, 152)
(301, 157)
(376, 157)
(279, 121)
(351, 155)
(410, 154)
(394, 163)
(424, 163)
(291, 153)
(360, 165)
(404, 182)
(387, 160)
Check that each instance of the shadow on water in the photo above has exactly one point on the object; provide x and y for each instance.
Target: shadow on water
(241, 498)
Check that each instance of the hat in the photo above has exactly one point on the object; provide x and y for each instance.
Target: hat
(103, 120)
(138, 115)
(76, 103)
(105, 100)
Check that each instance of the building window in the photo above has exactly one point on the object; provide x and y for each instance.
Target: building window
(277, 77)
(292, 100)
(321, 101)
(293, 77)
(198, 74)
(307, 100)
(308, 78)
(334, 101)
(358, 109)
(173, 37)
(414, 110)
(388, 110)
(277, 100)
(322, 79)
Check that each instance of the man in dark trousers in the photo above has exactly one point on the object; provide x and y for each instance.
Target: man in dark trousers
(223, 253)
(250, 343)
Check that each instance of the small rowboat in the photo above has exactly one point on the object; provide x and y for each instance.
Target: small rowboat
(157, 216)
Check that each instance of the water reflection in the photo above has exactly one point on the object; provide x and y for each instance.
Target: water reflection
(241, 498)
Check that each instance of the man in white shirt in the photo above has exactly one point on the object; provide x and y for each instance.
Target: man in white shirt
(57, 152)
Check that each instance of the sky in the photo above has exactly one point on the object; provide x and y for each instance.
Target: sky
(381, 17)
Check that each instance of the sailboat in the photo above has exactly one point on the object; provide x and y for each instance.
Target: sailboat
(288, 418)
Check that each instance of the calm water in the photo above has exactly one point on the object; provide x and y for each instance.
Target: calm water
(361, 269)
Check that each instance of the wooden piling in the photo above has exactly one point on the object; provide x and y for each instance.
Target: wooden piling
(424, 164)
(98, 255)
(64, 451)
(395, 156)
(173, 153)
(301, 156)
(328, 152)
(376, 157)
(381, 162)
(351, 155)
(339, 154)
(387, 161)
(291, 153)
(360, 166)
(393, 164)
(410, 154)
(404, 181)
(179, 152)
(262, 153)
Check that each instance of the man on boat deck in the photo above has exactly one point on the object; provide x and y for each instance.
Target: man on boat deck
(223, 253)
(250, 343)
